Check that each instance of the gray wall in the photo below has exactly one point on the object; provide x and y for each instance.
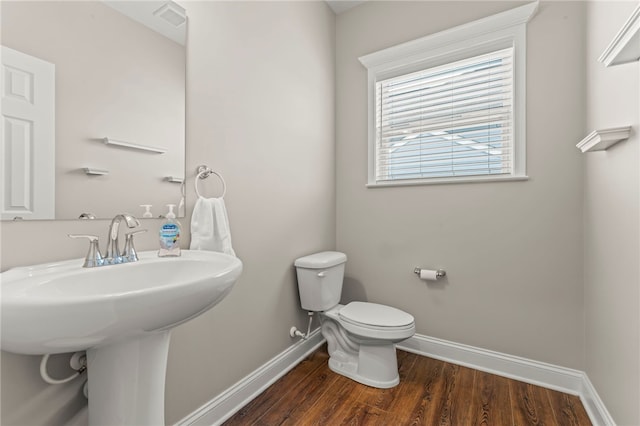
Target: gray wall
(512, 250)
(260, 109)
(260, 85)
(611, 222)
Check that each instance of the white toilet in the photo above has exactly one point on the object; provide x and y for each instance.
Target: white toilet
(361, 336)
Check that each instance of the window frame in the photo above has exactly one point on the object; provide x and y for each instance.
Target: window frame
(485, 35)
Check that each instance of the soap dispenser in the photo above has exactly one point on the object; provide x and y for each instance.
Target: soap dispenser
(147, 210)
(170, 231)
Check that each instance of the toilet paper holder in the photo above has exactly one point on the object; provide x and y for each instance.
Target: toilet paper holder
(440, 273)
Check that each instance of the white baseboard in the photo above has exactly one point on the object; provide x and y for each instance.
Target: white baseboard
(562, 379)
(550, 376)
(225, 405)
(538, 373)
(598, 413)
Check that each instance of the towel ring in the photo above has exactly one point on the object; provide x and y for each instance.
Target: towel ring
(204, 172)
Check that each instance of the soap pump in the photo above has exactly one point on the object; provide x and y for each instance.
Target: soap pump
(170, 231)
(147, 210)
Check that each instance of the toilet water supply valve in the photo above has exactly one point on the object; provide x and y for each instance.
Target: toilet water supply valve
(78, 362)
(294, 332)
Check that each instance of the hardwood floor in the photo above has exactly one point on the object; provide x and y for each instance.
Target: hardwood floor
(430, 392)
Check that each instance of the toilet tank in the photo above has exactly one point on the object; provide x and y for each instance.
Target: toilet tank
(320, 278)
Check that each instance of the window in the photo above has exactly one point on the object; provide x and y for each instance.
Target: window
(447, 121)
(450, 107)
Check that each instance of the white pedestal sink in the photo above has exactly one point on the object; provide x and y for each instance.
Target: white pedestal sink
(121, 314)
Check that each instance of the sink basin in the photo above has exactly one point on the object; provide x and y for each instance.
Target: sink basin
(62, 307)
(121, 314)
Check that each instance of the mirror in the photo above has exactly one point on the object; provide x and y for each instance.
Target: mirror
(93, 108)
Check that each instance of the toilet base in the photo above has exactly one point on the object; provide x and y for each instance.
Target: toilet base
(375, 366)
(372, 362)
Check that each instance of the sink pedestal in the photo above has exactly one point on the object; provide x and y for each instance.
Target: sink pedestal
(126, 381)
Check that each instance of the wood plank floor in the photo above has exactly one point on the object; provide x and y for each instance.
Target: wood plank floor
(430, 392)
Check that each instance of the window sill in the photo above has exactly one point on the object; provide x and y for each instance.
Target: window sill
(447, 181)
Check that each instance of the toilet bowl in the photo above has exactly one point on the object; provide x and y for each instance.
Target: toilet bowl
(361, 340)
(360, 336)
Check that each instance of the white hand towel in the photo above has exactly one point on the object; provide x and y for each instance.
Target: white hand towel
(210, 226)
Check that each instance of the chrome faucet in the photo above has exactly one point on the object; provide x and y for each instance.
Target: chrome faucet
(94, 257)
(113, 255)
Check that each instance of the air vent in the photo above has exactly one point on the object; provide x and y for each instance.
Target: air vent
(172, 13)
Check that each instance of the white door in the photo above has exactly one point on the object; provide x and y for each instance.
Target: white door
(27, 150)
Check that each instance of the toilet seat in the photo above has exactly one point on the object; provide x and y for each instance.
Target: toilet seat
(374, 321)
(375, 315)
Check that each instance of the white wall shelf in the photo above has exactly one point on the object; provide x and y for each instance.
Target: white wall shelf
(174, 179)
(599, 140)
(133, 145)
(90, 171)
(625, 46)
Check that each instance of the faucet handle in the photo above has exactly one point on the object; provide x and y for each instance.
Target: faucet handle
(94, 257)
(129, 252)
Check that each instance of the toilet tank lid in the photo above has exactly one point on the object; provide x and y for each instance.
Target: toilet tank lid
(325, 259)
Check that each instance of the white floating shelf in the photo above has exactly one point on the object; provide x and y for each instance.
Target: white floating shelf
(133, 145)
(625, 46)
(90, 171)
(599, 140)
(174, 179)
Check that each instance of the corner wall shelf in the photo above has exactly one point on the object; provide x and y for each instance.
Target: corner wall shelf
(625, 46)
(600, 140)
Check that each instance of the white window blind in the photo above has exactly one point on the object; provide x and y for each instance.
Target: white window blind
(453, 120)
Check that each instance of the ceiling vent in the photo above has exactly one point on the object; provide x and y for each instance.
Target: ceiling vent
(172, 13)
